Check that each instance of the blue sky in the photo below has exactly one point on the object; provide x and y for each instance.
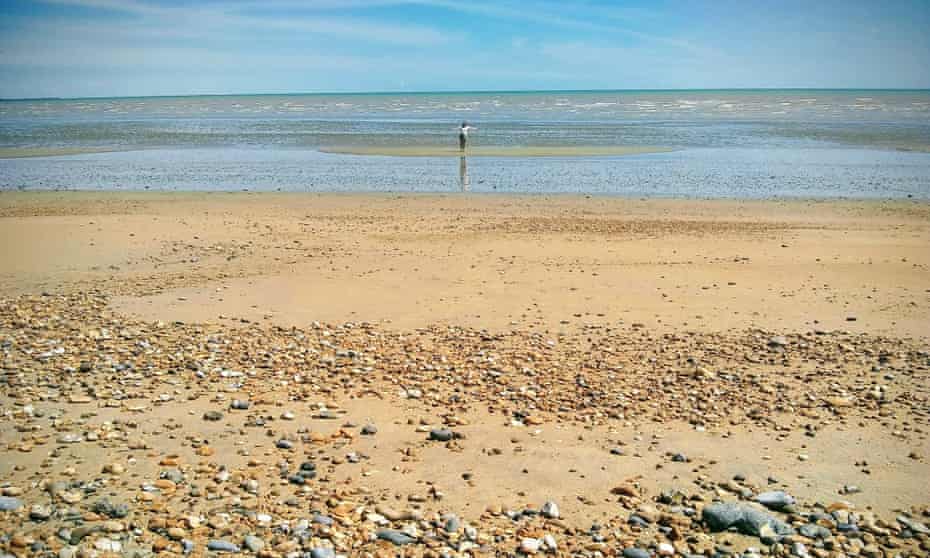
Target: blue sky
(161, 47)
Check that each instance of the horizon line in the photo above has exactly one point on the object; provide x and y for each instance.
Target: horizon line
(461, 92)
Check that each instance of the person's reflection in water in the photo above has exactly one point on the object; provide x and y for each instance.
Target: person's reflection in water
(463, 174)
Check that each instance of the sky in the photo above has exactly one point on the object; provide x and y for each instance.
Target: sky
(86, 48)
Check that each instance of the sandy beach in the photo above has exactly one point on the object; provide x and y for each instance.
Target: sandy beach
(463, 375)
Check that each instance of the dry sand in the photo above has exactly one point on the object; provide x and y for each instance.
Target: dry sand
(784, 343)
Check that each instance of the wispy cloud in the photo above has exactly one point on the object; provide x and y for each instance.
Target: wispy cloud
(211, 16)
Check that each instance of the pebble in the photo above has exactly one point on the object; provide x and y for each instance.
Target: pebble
(746, 519)
(222, 546)
(775, 500)
(213, 416)
(114, 511)
(397, 537)
(666, 549)
(369, 430)
(530, 545)
(253, 543)
(441, 435)
(322, 552)
(550, 510)
(239, 404)
(10, 504)
(108, 545)
(633, 552)
(39, 512)
(176, 533)
(915, 526)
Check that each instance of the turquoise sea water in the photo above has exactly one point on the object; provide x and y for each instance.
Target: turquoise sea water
(732, 143)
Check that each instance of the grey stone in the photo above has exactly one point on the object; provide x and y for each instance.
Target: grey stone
(369, 430)
(284, 444)
(187, 546)
(441, 434)
(10, 504)
(814, 531)
(174, 475)
(322, 519)
(395, 536)
(452, 524)
(39, 512)
(253, 543)
(111, 510)
(633, 552)
(745, 519)
(322, 552)
(775, 500)
(550, 509)
(239, 404)
(913, 525)
(222, 546)
(213, 416)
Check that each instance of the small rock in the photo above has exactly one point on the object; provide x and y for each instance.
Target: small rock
(39, 512)
(633, 552)
(529, 545)
(369, 430)
(222, 546)
(213, 416)
(550, 509)
(914, 526)
(778, 341)
(113, 511)
(748, 520)
(441, 435)
(549, 543)
(176, 533)
(397, 537)
(239, 405)
(775, 500)
(10, 504)
(108, 545)
(253, 543)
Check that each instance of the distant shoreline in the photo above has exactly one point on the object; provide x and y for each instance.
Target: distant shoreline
(474, 92)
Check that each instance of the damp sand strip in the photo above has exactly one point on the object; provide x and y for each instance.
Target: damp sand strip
(496, 151)
(26, 152)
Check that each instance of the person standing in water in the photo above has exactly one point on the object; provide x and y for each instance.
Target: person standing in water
(463, 134)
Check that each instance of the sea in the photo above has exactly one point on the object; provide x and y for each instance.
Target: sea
(678, 143)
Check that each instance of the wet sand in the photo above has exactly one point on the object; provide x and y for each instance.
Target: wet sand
(599, 353)
(496, 150)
